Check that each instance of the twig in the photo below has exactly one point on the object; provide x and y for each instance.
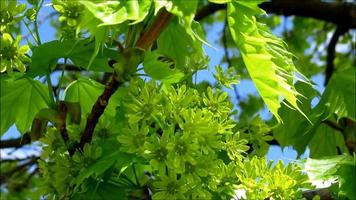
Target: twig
(329, 70)
(324, 193)
(334, 12)
(154, 30)
(14, 143)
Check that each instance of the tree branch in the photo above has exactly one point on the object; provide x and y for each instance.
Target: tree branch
(15, 143)
(154, 30)
(329, 70)
(324, 193)
(337, 13)
(98, 108)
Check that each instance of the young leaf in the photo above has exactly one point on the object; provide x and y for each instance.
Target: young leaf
(339, 95)
(182, 9)
(341, 168)
(116, 12)
(84, 91)
(79, 52)
(268, 62)
(161, 68)
(188, 52)
(20, 101)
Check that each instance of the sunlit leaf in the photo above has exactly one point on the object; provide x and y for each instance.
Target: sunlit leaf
(268, 62)
(20, 101)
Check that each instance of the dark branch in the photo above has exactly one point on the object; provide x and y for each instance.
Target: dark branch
(324, 193)
(337, 13)
(144, 42)
(15, 143)
(340, 30)
(17, 159)
(154, 30)
(97, 111)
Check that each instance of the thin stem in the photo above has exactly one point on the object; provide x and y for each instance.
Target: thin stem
(35, 23)
(31, 33)
(61, 78)
(50, 89)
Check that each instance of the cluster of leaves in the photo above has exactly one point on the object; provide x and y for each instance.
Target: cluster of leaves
(164, 136)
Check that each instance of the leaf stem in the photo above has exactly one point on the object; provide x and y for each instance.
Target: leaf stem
(31, 32)
(61, 78)
(38, 7)
(50, 89)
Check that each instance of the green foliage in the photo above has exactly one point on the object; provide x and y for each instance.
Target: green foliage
(123, 122)
(339, 96)
(268, 62)
(79, 52)
(20, 100)
(161, 68)
(341, 168)
(85, 92)
(337, 100)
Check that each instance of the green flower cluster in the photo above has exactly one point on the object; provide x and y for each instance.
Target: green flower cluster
(171, 140)
(12, 55)
(70, 11)
(9, 11)
(186, 137)
(261, 180)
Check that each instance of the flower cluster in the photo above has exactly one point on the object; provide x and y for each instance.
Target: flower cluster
(9, 11)
(185, 136)
(70, 11)
(12, 55)
(261, 180)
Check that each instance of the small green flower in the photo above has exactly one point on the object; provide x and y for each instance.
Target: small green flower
(235, 146)
(227, 77)
(8, 13)
(70, 11)
(133, 138)
(11, 54)
(217, 102)
(169, 188)
(156, 151)
(225, 180)
(181, 149)
(145, 104)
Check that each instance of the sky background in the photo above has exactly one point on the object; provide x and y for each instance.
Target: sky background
(215, 54)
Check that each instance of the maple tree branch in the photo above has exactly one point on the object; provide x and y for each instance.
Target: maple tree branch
(149, 36)
(334, 12)
(17, 142)
(324, 193)
(146, 39)
(329, 70)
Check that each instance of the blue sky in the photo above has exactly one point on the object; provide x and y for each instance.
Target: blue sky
(215, 54)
